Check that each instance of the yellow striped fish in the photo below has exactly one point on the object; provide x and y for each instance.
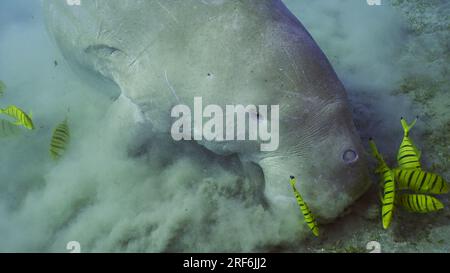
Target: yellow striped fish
(420, 203)
(387, 208)
(309, 218)
(2, 88)
(21, 118)
(60, 140)
(408, 156)
(420, 181)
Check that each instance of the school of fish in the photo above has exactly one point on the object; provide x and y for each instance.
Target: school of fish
(407, 185)
(413, 184)
(14, 117)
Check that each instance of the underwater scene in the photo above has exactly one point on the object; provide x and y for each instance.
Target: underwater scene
(225, 126)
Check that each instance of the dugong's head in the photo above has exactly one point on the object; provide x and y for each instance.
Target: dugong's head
(163, 53)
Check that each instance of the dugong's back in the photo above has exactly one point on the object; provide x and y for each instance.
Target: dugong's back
(242, 40)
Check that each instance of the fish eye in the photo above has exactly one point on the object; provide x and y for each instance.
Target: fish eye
(350, 156)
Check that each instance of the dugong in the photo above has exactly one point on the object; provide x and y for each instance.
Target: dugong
(162, 53)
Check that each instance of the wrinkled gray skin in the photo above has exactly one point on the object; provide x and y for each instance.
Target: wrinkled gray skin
(163, 53)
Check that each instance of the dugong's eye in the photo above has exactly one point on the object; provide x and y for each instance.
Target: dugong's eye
(350, 156)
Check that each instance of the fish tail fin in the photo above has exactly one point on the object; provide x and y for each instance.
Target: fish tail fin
(374, 148)
(376, 154)
(407, 127)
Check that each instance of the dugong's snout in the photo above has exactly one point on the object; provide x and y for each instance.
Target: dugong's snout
(331, 173)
